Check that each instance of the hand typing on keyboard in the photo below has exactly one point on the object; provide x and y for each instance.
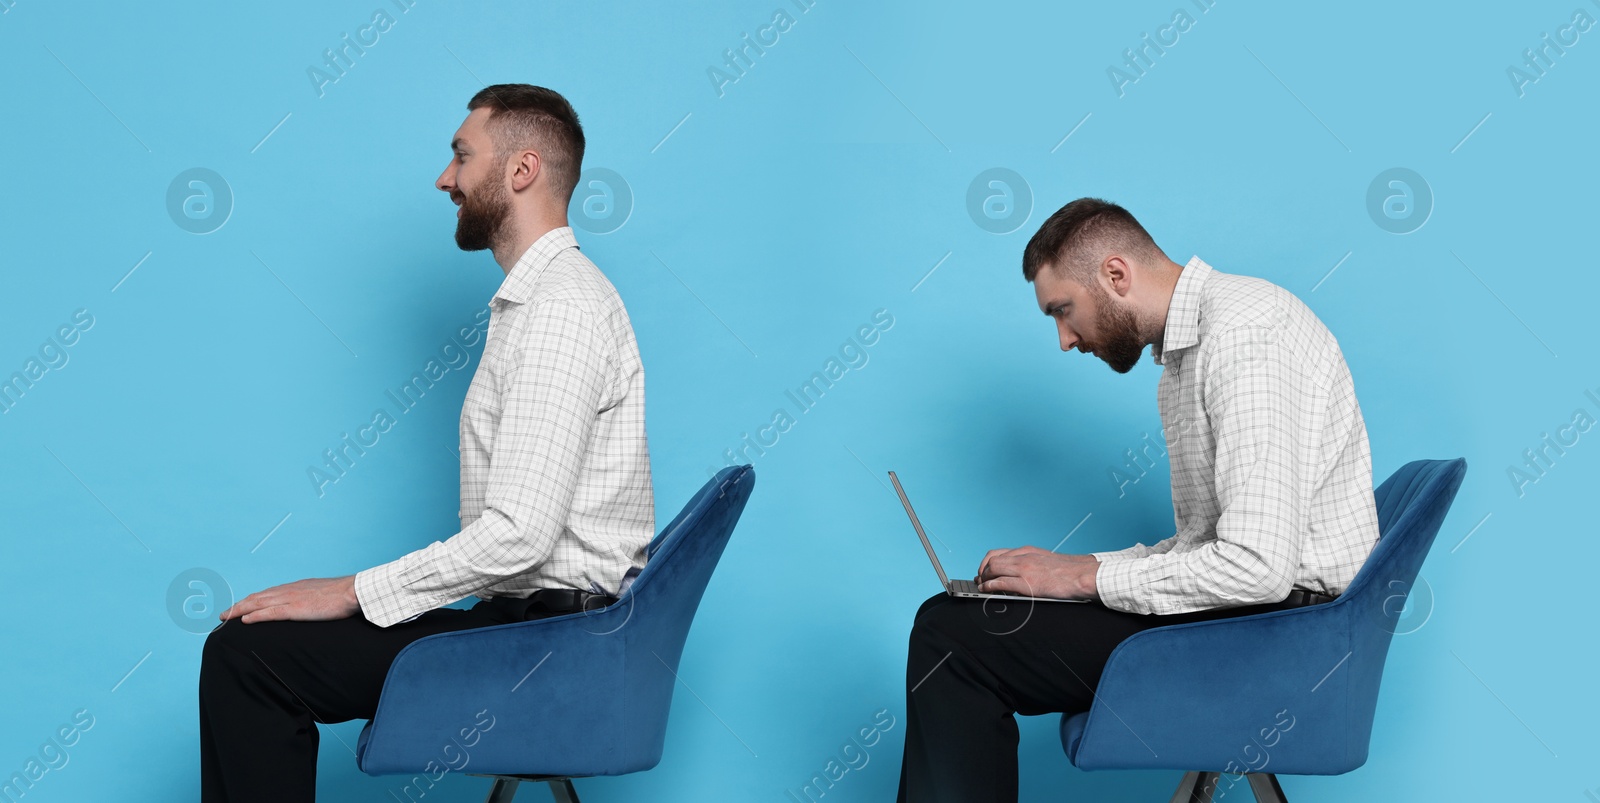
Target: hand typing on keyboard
(1034, 572)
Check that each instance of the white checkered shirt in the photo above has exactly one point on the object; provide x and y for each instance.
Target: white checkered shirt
(1271, 473)
(555, 471)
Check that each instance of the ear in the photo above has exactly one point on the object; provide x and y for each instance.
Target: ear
(525, 170)
(1117, 274)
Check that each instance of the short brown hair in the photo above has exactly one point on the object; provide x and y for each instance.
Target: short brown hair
(1073, 240)
(523, 116)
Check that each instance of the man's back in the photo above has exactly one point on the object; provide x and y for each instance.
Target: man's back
(611, 515)
(1271, 470)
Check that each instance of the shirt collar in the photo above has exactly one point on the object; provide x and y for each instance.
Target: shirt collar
(1183, 312)
(524, 276)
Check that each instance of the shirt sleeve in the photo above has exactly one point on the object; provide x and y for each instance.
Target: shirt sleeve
(1253, 558)
(1137, 550)
(552, 398)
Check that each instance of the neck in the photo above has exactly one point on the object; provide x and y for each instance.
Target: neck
(1166, 283)
(521, 232)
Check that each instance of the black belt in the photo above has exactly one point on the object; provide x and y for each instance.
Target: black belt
(1299, 597)
(549, 602)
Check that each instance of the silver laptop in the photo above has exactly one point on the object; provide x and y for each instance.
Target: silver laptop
(955, 588)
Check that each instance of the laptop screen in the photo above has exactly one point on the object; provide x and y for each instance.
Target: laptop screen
(918, 525)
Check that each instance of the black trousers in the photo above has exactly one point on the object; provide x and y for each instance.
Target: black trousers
(974, 664)
(264, 686)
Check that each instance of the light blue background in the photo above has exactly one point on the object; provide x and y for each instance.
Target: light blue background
(767, 226)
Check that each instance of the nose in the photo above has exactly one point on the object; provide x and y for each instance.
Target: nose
(1069, 338)
(446, 181)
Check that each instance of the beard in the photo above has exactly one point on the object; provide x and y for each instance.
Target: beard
(484, 212)
(1120, 345)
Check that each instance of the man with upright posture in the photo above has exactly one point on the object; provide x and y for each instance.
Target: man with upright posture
(1271, 487)
(556, 502)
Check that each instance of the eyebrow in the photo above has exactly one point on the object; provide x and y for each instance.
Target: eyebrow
(457, 144)
(1051, 310)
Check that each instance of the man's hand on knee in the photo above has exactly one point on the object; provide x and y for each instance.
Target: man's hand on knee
(313, 600)
(1034, 572)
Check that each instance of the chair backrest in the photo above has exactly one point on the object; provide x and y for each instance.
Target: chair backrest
(661, 603)
(1411, 505)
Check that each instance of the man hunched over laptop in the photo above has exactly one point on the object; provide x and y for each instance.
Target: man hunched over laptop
(1271, 487)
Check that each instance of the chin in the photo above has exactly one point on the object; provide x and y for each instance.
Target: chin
(1123, 366)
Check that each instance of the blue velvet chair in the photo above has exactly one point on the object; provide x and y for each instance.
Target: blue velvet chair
(1290, 691)
(559, 698)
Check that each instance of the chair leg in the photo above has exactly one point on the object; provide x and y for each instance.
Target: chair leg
(1196, 787)
(1186, 788)
(561, 789)
(1265, 787)
(503, 790)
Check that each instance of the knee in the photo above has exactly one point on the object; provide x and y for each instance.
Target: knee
(228, 649)
(219, 646)
(930, 603)
(231, 633)
(948, 622)
(940, 621)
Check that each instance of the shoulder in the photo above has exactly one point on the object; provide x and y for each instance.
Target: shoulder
(574, 282)
(1247, 320)
(574, 292)
(1229, 301)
